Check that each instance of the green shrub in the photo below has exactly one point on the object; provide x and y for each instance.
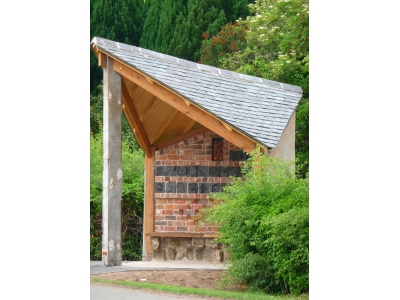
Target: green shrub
(132, 199)
(264, 220)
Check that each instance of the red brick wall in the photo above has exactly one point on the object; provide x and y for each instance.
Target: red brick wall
(174, 211)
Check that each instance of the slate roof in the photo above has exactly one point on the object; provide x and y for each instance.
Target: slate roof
(259, 108)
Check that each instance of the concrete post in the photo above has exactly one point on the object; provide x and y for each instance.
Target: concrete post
(112, 168)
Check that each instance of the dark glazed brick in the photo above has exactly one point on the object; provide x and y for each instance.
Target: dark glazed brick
(170, 218)
(182, 228)
(192, 171)
(224, 172)
(235, 171)
(215, 188)
(204, 188)
(171, 187)
(160, 187)
(202, 171)
(182, 171)
(213, 172)
(170, 171)
(160, 171)
(181, 187)
(193, 188)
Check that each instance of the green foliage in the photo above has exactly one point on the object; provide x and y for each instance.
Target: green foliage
(275, 46)
(117, 20)
(264, 220)
(132, 188)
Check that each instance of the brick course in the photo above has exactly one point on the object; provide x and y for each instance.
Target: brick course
(176, 212)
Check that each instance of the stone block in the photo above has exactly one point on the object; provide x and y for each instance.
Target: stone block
(207, 254)
(189, 254)
(165, 242)
(181, 187)
(193, 188)
(204, 188)
(181, 254)
(171, 253)
(192, 171)
(186, 242)
(174, 242)
(217, 255)
(182, 171)
(210, 243)
(171, 187)
(170, 171)
(198, 242)
(198, 254)
(213, 172)
(202, 171)
(160, 171)
(215, 188)
(160, 187)
(159, 254)
(155, 242)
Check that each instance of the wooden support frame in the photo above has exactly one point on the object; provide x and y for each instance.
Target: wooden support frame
(181, 138)
(134, 121)
(148, 109)
(191, 111)
(188, 126)
(149, 198)
(163, 127)
(102, 60)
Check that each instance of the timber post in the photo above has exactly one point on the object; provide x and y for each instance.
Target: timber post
(112, 167)
(149, 201)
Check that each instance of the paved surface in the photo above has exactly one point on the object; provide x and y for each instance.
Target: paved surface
(103, 292)
(96, 267)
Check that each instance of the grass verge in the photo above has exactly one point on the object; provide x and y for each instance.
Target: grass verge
(202, 292)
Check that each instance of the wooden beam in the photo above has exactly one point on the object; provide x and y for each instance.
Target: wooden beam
(149, 198)
(149, 80)
(227, 126)
(177, 234)
(187, 102)
(191, 111)
(181, 138)
(133, 117)
(163, 126)
(102, 60)
(148, 109)
(188, 126)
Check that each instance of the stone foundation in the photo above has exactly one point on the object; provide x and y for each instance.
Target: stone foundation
(187, 249)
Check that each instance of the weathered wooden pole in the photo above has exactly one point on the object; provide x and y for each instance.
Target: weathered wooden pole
(149, 202)
(112, 168)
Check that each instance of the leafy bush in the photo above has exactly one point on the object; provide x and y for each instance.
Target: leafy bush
(132, 198)
(264, 220)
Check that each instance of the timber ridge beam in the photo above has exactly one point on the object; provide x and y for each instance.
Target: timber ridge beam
(179, 103)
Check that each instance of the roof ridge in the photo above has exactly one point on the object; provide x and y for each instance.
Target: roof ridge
(145, 52)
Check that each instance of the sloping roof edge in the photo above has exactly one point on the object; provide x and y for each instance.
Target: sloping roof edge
(145, 52)
(141, 51)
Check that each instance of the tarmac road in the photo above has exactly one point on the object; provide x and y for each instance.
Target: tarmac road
(105, 292)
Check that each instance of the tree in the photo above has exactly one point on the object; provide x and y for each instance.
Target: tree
(117, 20)
(275, 47)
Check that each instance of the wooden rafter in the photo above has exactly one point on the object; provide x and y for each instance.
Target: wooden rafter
(181, 138)
(148, 109)
(188, 126)
(191, 111)
(102, 60)
(163, 126)
(133, 119)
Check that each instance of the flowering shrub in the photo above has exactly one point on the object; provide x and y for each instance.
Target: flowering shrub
(265, 221)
